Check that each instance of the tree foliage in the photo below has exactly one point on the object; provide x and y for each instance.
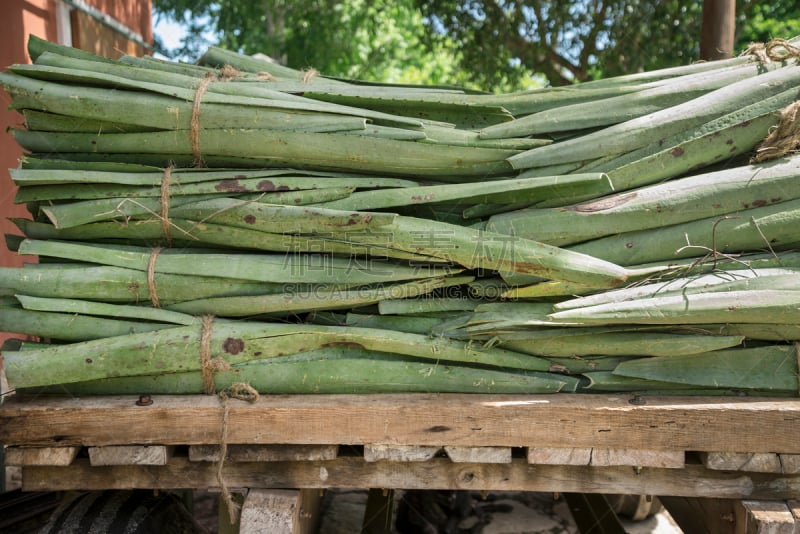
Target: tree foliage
(585, 39)
(492, 44)
(381, 40)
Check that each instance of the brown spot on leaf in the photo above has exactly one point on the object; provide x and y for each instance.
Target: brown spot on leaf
(233, 345)
(250, 219)
(231, 186)
(677, 151)
(759, 203)
(265, 185)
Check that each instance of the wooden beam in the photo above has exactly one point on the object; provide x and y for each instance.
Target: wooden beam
(560, 420)
(40, 455)
(559, 456)
(794, 507)
(279, 511)
(479, 455)
(399, 453)
(763, 462)
(130, 455)
(765, 517)
(790, 464)
(263, 453)
(638, 458)
(437, 473)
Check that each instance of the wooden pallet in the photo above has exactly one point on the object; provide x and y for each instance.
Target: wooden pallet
(742, 454)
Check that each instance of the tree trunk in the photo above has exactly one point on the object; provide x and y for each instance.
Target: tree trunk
(716, 41)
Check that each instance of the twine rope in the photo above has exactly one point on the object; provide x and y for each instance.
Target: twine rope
(309, 75)
(209, 365)
(782, 139)
(166, 178)
(151, 277)
(774, 50)
(240, 391)
(226, 73)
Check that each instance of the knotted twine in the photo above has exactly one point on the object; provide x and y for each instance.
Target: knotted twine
(774, 50)
(238, 390)
(784, 138)
(226, 73)
(151, 277)
(309, 75)
(166, 180)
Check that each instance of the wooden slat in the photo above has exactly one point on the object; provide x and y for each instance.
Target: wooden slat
(479, 455)
(130, 455)
(12, 477)
(561, 420)
(437, 473)
(638, 458)
(263, 453)
(40, 455)
(279, 511)
(794, 507)
(790, 464)
(763, 462)
(400, 453)
(559, 456)
(767, 517)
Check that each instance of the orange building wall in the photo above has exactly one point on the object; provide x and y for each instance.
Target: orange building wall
(18, 20)
(89, 34)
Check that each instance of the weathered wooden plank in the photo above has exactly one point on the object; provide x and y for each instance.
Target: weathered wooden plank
(479, 455)
(765, 517)
(563, 420)
(263, 453)
(437, 473)
(268, 511)
(12, 477)
(790, 463)
(279, 511)
(399, 453)
(638, 458)
(794, 507)
(559, 456)
(130, 455)
(763, 462)
(40, 455)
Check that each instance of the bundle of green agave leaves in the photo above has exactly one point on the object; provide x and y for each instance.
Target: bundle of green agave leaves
(199, 226)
